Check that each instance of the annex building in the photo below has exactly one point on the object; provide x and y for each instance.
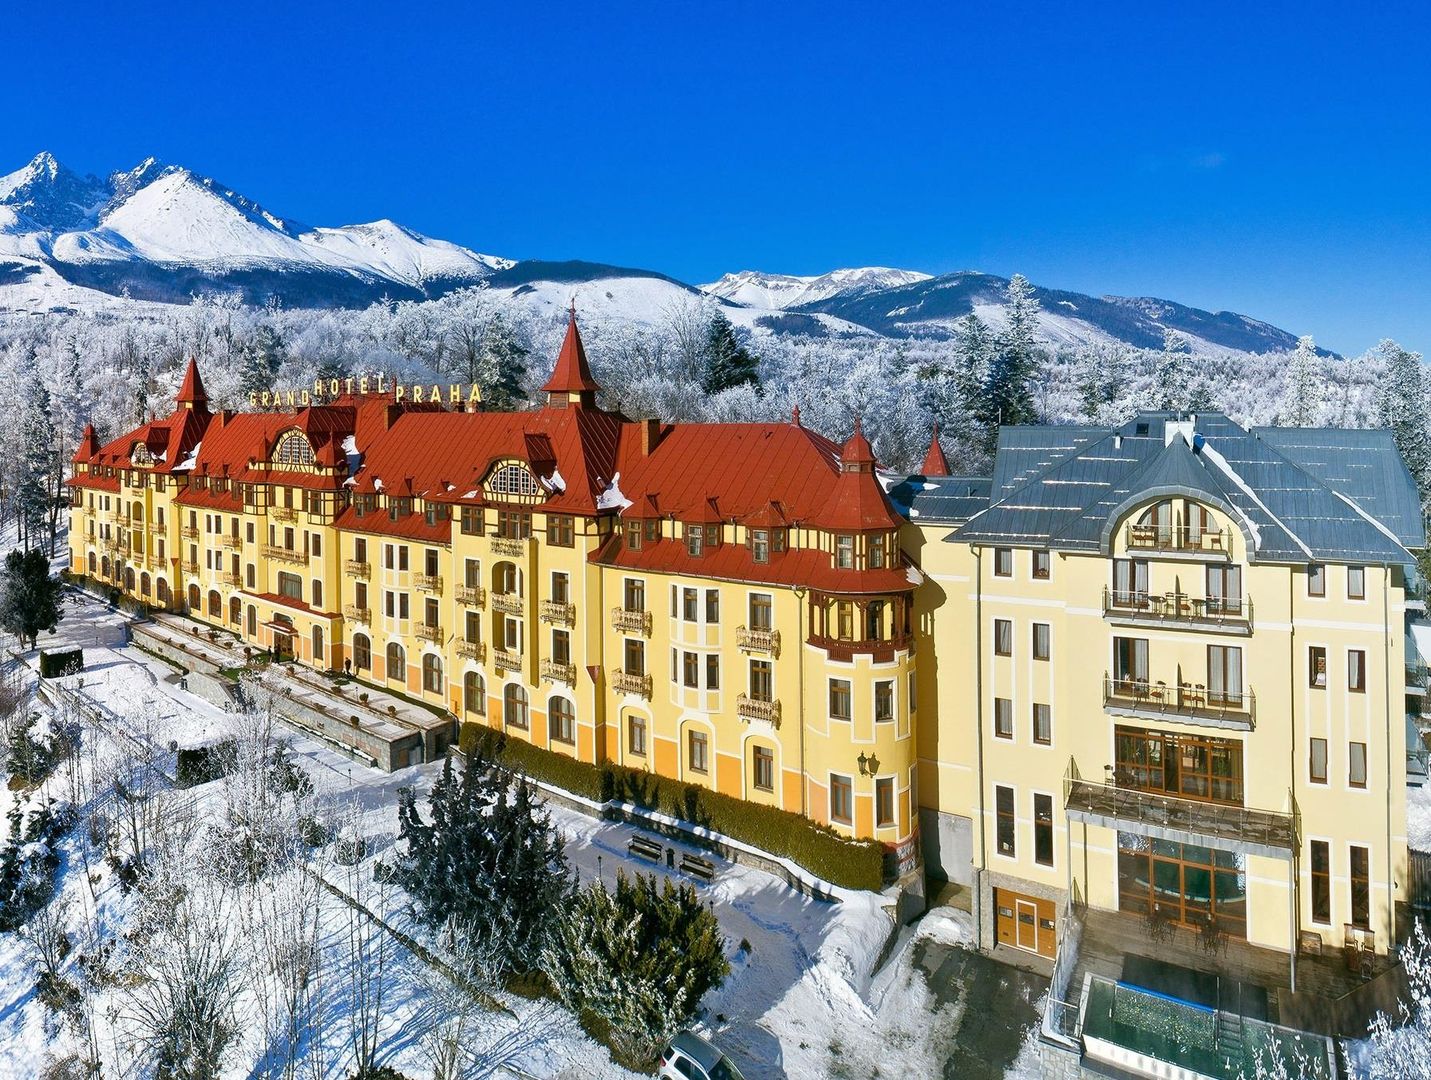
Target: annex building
(1158, 671)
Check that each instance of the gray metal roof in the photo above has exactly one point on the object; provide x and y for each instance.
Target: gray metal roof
(1091, 476)
(940, 500)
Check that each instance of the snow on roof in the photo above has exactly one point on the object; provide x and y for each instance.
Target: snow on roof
(611, 498)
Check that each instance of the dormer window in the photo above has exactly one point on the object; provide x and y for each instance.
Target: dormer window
(293, 449)
(653, 530)
(633, 535)
(760, 545)
(695, 540)
(513, 480)
(845, 552)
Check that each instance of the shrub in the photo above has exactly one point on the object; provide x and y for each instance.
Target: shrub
(850, 864)
(201, 764)
(54, 664)
(28, 863)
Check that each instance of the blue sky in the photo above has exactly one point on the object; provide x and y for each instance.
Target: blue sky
(1267, 158)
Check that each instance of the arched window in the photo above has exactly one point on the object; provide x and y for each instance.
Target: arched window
(474, 693)
(432, 673)
(235, 610)
(252, 621)
(293, 449)
(136, 511)
(506, 578)
(320, 653)
(93, 564)
(104, 564)
(216, 604)
(194, 598)
(161, 590)
(144, 584)
(129, 579)
(514, 707)
(397, 662)
(513, 480)
(561, 716)
(362, 652)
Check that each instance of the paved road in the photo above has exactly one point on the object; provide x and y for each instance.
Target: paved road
(999, 1003)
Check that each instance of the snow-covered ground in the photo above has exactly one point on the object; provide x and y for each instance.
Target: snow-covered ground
(803, 998)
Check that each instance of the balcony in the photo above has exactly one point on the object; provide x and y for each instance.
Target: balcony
(283, 513)
(758, 640)
(1187, 702)
(189, 532)
(354, 613)
(279, 553)
(357, 569)
(503, 545)
(471, 595)
(429, 632)
(189, 567)
(1241, 829)
(229, 578)
(1180, 540)
(1416, 679)
(880, 650)
(749, 708)
(428, 583)
(631, 621)
(507, 661)
(624, 682)
(510, 603)
(232, 542)
(557, 613)
(557, 672)
(472, 650)
(1179, 611)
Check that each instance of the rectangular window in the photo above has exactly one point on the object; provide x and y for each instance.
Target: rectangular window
(1003, 562)
(635, 657)
(1356, 583)
(471, 521)
(317, 594)
(712, 671)
(1356, 671)
(561, 646)
(472, 627)
(699, 747)
(1321, 881)
(1317, 762)
(1224, 675)
(315, 545)
(290, 585)
(763, 768)
(430, 612)
(636, 735)
(1003, 637)
(844, 552)
(842, 799)
(884, 701)
(561, 531)
(690, 605)
(402, 557)
(839, 699)
(512, 634)
(760, 611)
(876, 549)
(695, 540)
(1361, 887)
(561, 588)
(762, 681)
(1316, 580)
(472, 574)
(1004, 818)
(884, 801)
(1356, 764)
(913, 691)
(712, 606)
(1003, 718)
(1317, 666)
(1043, 829)
(634, 594)
(1043, 724)
(429, 561)
(760, 545)
(1041, 636)
(1130, 582)
(690, 670)
(1041, 561)
(633, 535)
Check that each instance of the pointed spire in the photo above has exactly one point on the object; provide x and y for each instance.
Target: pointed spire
(857, 450)
(795, 415)
(88, 445)
(191, 393)
(571, 375)
(935, 463)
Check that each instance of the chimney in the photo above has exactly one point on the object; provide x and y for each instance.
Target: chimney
(650, 435)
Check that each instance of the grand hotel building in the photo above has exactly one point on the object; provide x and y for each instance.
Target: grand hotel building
(1160, 661)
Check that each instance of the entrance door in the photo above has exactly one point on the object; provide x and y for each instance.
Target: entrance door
(1026, 926)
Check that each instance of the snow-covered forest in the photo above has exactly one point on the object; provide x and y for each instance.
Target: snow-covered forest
(687, 364)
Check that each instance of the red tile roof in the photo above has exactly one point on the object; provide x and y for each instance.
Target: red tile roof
(192, 391)
(407, 526)
(88, 445)
(935, 463)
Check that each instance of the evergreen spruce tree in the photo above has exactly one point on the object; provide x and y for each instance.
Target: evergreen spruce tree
(1175, 373)
(259, 360)
(502, 369)
(1304, 385)
(1008, 389)
(1401, 406)
(29, 596)
(39, 469)
(728, 362)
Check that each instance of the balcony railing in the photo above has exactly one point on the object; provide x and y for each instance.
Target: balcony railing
(472, 650)
(631, 621)
(471, 595)
(1178, 609)
(231, 579)
(280, 553)
(283, 513)
(428, 583)
(503, 545)
(354, 613)
(558, 613)
(881, 650)
(189, 532)
(510, 603)
(429, 632)
(749, 708)
(1179, 539)
(555, 671)
(232, 542)
(1229, 828)
(1194, 702)
(189, 566)
(357, 568)
(624, 682)
(507, 661)
(758, 640)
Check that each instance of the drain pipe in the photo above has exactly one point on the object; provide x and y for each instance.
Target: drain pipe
(978, 554)
(1294, 907)
(800, 592)
(1386, 677)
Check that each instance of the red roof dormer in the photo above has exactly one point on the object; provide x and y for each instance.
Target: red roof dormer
(88, 446)
(571, 382)
(191, 393)
(858, 502)
(935, 463)
(857, 455)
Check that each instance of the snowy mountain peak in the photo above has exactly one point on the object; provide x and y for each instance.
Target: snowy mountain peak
(759, 289)
(50, 195)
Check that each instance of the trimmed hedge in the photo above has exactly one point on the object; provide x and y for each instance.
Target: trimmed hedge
(851, 864)
(67, 662)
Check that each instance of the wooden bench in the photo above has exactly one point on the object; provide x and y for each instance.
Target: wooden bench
(698, 867)
(645, 848)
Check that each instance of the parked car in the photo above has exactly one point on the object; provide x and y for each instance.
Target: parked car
(690, 1057)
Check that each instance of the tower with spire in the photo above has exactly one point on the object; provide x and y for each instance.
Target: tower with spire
(571, 384)
(192, 395)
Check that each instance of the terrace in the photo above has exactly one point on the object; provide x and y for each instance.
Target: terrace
(1178, 611)
(1186, 701)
